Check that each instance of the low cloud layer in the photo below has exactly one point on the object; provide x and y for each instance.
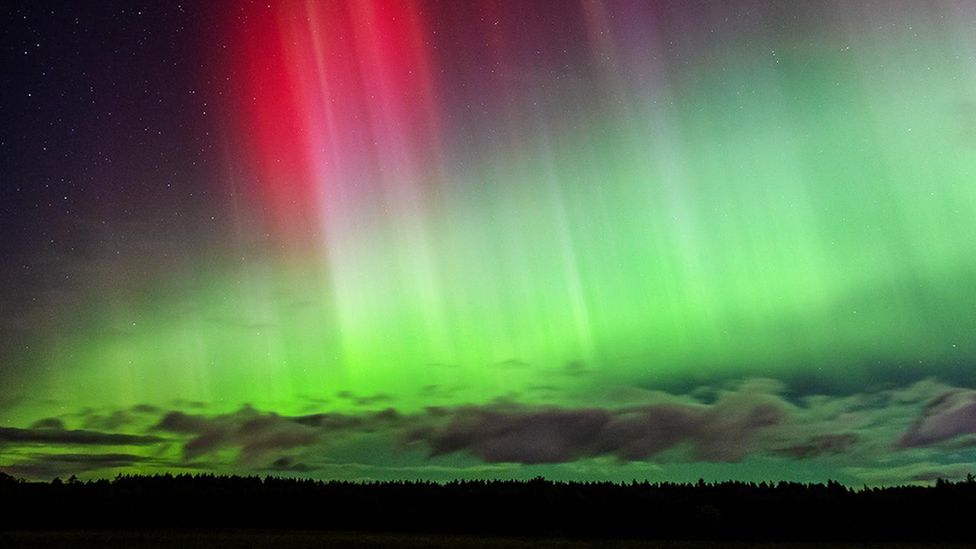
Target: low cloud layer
(59, 436)
(258, 436)
(52, 465)
(927, 422)
(725, 431)
(254, 434)
(950, 415)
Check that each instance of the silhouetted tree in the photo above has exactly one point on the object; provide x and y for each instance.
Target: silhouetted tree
(724, 510)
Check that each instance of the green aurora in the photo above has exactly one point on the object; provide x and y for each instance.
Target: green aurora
(794, 207)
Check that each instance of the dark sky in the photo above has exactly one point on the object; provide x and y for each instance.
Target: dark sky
(104, 120)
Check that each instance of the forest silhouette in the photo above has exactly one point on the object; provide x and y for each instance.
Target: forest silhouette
(538, 507)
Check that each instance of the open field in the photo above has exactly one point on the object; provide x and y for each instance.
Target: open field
(261, 539)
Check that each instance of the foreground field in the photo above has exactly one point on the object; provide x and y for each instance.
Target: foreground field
(246, 539)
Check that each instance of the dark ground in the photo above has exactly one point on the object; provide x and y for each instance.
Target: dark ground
(262, 539)
(190, 511)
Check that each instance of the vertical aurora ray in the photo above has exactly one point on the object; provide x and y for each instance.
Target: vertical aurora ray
(478, 194)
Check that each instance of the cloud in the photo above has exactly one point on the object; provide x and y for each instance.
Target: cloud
(725, 423)
(183, 403)
(719, 424)
(364, 400)
(333, 422)
(49, 435)
(51, 465)
(575, 368)
(260, 436)
(144, 409)
(733, 422)
(108, 422)
(288, 464)
(821, 445)
(949, 415)
(255, 435)
(505, 432)
(48, 423)
(523, 436)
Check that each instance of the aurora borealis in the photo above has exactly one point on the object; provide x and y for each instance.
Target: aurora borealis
(428, 239)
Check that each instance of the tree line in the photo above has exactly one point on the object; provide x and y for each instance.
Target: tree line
(538, 507)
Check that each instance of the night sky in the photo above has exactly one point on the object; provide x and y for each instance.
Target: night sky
(584, 239)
